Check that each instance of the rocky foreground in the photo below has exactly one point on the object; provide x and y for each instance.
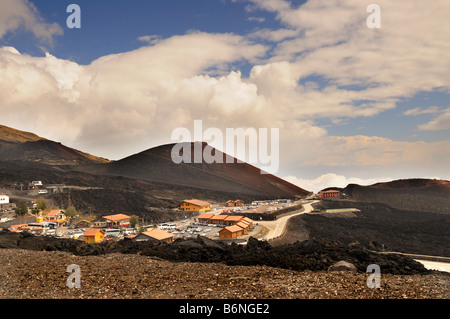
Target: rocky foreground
(42, 274)
(199, 268)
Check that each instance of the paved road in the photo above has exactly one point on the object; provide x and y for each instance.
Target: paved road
(276, 228)
(434, 265)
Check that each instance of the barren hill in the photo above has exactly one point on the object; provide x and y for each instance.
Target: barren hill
(156, 165)
(16, 145)
(428, 195)
(136, 184)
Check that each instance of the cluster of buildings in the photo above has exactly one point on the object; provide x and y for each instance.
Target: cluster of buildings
(35, 188)
(233, 226)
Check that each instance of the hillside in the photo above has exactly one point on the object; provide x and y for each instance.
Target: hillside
(156, 165)
(139, 184)
(16, 145)
(427, 195)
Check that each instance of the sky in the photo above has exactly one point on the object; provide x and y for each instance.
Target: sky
(352, 104)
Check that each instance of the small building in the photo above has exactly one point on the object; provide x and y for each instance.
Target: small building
(234, 203)
(4, 199)
(117, 220)
(35, 185)
(248, 221)
(244, 226)
(157, 235)
(218, 219)
(194, 205)
(56, 215)
(84, 223)
(205, 218)
(94, 235)
(231, 232)
(231, 220)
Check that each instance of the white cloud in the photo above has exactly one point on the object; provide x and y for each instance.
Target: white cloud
(22, 13)
(440, 122)
(419, 111)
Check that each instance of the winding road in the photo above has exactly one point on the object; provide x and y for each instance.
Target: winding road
(276, 228)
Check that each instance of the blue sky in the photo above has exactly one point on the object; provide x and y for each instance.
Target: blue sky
(114, 26)
(353, 104)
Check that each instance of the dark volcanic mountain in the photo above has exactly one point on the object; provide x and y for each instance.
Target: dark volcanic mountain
(241, 178)
(427, 195)
(23, 146)
(136, 184)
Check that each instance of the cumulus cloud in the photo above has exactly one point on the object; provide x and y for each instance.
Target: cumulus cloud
(324, 63)
(134, 99)
(22, 13)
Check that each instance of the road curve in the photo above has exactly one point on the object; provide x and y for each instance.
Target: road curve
(276, 228)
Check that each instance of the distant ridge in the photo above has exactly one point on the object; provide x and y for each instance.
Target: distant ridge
(16, 145)
(8, 134)
(428, 195)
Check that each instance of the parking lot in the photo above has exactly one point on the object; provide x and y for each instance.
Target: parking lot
(188, 228)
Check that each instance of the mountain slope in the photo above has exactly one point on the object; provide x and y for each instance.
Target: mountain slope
(16, 145)
(428, 195)
(156, 165)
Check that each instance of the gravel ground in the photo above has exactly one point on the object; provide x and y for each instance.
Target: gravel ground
(26, 274)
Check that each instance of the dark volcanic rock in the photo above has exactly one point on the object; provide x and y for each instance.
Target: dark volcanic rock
(306, 255)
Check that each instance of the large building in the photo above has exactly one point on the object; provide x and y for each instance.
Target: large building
(330, 194)
(194, 205)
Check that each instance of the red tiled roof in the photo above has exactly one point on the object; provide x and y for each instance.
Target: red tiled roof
(232, 229)
(197, 202)
(116, 217)
(158, 234)
(205, 216)
(219, 217)
(53, 212)
(234, 218)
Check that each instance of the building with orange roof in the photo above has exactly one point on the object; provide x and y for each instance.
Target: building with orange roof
(193, 205)
(244, 226)
(218, 219)
(330, 194)
(117, 220)
(56, 215)
(231, 220)
(231, 232)
(94, 235)
(156, 234)
(205, 218)
(234, 203)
